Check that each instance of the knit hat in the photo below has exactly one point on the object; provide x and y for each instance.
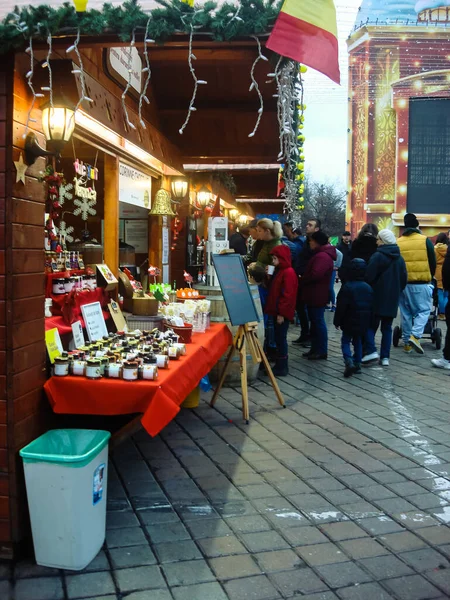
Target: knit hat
(387, 237)
(411, 221)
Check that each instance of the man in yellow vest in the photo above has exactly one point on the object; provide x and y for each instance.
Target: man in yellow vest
(415, 300)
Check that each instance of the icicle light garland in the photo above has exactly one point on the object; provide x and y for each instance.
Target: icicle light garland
(127, 87)
(148, 71)
(29, 78)
(46, 65)
(254, 86)
(80, 72)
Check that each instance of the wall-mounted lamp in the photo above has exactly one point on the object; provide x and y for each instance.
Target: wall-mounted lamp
(234, 213)
(58, 123)
(179, 189)
(204, 196)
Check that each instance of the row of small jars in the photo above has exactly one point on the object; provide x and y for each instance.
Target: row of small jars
(67, 284)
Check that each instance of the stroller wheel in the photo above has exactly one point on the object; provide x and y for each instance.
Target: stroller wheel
(396, 335)
(438, 334)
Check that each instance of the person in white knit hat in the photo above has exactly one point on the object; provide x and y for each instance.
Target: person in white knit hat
(386, 273)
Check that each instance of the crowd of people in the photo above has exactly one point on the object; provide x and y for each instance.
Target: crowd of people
(380, 275)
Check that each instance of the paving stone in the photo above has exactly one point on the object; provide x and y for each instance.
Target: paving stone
(139, 578)
(116, 519)
(292, 488)
(423, 560)
(327, 484)
(188, 573)
(282, 519)
(395, 505)
(342, 575)
(28, 568)
(167, 532)
(375, 492)
(88, 584)
(343, 531)
(221, 546)
(128, 536)
(231, 567)
(249, 524)
(363, 548)
(40, 588)
(258, 491)
(382, 567)
(202, 591)
(322, 554)
(429, 500)
(156, 516)
(441, 579)
(297, 582)
(5, 590)
(251, 588)
(414, 587)
(339, 497)
(387, 477)
(264, 540)
(380, 525)
(134, 556)
(155, 595)
(206, 528)
(278, 560)
(365, 591)
(435, 535)
(406, 489)
(415, 519)
(319, 596)
(173, 551)
(304, 536)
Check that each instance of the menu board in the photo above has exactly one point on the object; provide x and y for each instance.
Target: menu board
(94, 321)
(235, 288)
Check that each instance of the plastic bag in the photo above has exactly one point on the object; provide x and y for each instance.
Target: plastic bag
(205, 384)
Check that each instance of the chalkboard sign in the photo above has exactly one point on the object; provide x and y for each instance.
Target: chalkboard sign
(236, 291)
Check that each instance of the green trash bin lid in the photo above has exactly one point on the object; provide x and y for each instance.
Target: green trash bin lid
(68, 447)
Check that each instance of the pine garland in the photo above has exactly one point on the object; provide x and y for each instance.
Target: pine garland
(256, 17)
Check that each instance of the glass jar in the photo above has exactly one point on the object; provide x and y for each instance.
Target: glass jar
(78, 367)
(149, 371)
(93, 369)
(130, 371)
(181, 347)
(58, 288)
(61, 367)
(162, 361)
(173, 352)
(113, 370)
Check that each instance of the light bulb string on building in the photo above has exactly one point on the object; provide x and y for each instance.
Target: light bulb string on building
(148, 71)
(29, 78)
(254, 85)
(127, 87)
(47, 65)
(80, 72)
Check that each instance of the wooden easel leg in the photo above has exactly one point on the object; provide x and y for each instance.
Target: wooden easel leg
(244, 384)
(233, 348)
(272, 378)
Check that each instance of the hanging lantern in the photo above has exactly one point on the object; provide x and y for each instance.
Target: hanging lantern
(80, 5)
(234, 213)
(204, 196)
(162, 204)
(179, 188)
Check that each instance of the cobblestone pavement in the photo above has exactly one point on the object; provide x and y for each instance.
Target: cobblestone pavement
(343, 495)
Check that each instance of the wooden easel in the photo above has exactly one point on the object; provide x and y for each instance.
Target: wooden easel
(246, 336)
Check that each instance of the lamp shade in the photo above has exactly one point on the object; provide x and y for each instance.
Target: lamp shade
(234, 213)
(204, 196)
(162, 204)
(58, 123)
(179, 188)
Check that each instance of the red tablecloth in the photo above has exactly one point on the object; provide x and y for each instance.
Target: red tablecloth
(158, 400)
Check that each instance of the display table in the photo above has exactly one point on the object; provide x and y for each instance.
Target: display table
(158, 401)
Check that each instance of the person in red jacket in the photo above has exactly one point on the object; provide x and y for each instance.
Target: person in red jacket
(281, 304)
(314, 289)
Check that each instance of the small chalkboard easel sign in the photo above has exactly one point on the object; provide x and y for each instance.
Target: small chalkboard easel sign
(242, 312)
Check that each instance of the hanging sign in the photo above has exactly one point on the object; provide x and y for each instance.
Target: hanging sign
(84, 189)
(134, 186)
(94, 321)
(118, 63)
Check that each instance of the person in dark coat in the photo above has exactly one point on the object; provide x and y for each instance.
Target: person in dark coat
(387, 275)
(314, 289)
(354, 315)
(281, 304)
(366, 243)
(238, 241)
(444, 362)
(345, 246)
(256, 243)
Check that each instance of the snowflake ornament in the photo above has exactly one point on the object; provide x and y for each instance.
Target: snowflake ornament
(64, 232)
(85, 207)
(65, 193)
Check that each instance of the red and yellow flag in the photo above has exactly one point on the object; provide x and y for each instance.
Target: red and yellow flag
(306, 31)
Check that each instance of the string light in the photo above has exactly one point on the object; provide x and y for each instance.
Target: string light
(46, 65)
(147, 70)
(80, 72)
(254, 86)
(127, 87)
(29, 78)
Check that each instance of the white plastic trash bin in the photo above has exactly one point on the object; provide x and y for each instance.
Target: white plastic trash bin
(66, 475)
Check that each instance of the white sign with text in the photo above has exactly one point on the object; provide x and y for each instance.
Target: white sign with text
(119, 59)
(135, 187)
(94, 321)
(78, 336)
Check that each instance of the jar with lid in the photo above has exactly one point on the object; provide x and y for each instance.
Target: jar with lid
(104, 361)
(78, 367)
(58, 287)
(61, 367)
(149, 369)
(162, 361)
(173, 352)
(130, 370)
(113, 370)
(181, 347)
(93, 368)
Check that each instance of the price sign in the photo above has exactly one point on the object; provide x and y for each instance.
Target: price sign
(94, 321)
(78, 336)
(53, 343)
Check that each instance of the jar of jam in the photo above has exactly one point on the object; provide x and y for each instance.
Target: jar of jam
(149, 371)
(113, 370)
(61, 368)
(58, 287)
(93, 369)
(181, 347)
(162, 361)
(173, 352)
(130, 370)
(78, 367)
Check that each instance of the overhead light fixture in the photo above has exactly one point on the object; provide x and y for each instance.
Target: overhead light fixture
(58, 123)
(234, 213)
(179, 188)
(204, 196)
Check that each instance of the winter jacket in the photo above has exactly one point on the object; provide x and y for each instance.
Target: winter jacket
(446, 272)
(346, 258)
(283, 288)
(264, 257)
(295, 246)
(339, 259)
(354, 301)
(303, 258)
(315, 283)
(387, 275)
(363, 247)
(238, 243)
(418, 252)
(440, 250)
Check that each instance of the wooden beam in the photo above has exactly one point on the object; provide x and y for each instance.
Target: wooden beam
(111, 213)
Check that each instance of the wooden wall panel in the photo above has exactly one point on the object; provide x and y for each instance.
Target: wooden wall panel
(31, 213)
(29, 380)
(27, 236)
(28, 309)
(28, 356)
(27, 286)
(28, 333)
(27, 261)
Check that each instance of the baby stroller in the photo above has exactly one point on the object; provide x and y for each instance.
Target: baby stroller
(431, 331)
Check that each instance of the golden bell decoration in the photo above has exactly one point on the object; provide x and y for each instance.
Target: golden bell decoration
(162, 204)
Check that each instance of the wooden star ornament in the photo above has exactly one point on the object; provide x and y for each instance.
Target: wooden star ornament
(21, 168)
